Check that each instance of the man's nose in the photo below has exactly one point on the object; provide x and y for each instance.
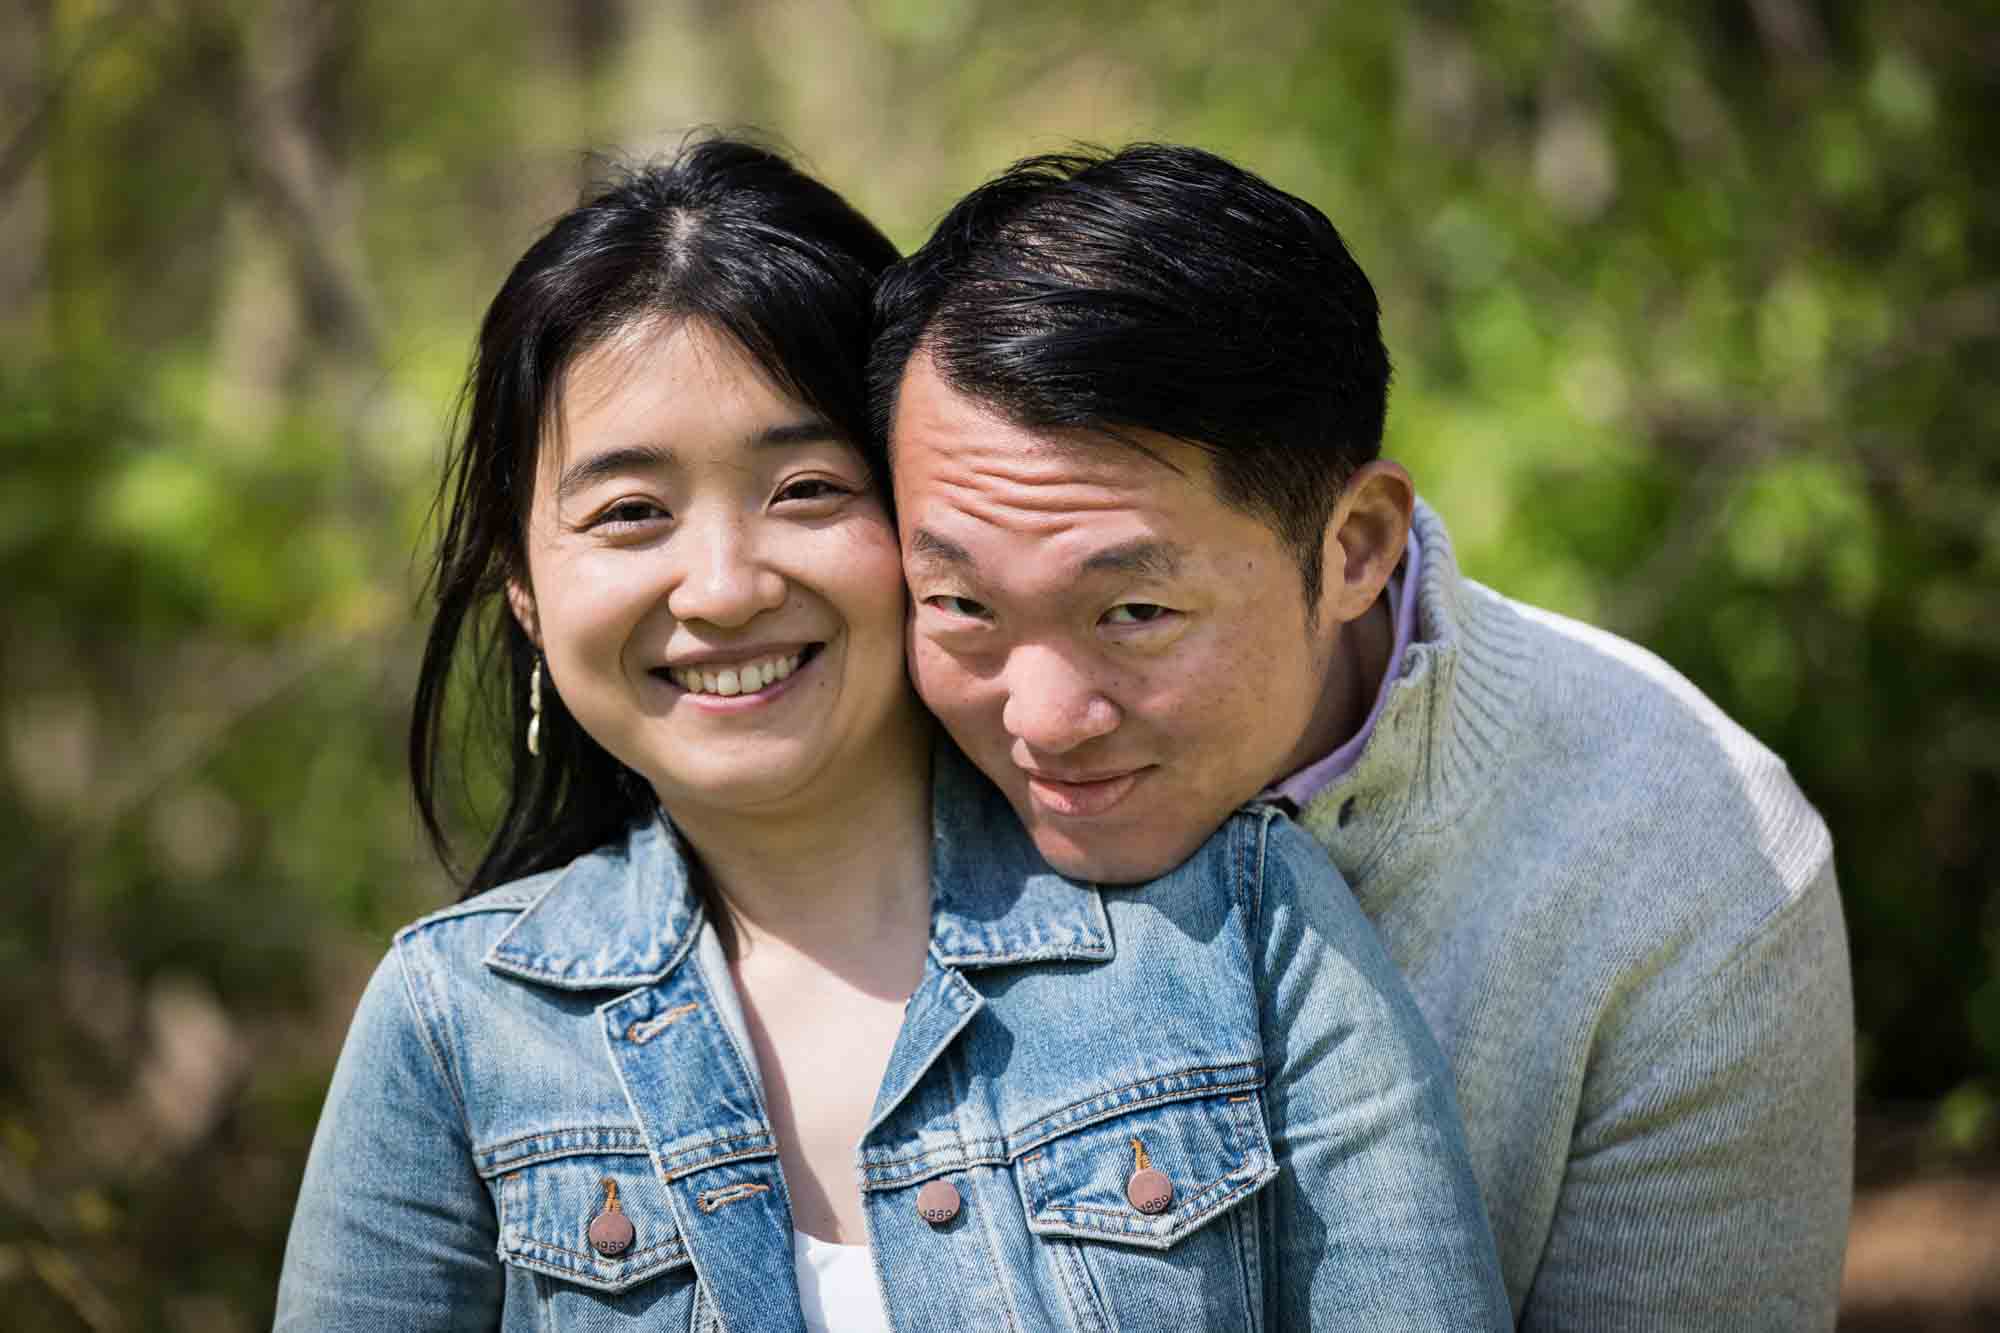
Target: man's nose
(723, 579)
(1053, 704)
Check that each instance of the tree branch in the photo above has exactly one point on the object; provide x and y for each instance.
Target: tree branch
(27, 140)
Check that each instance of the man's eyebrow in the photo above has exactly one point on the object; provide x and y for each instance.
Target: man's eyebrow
(1143, 558)
(647, 457)
(932, 549)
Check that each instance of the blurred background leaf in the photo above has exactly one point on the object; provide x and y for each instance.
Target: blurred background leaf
(1694, 311)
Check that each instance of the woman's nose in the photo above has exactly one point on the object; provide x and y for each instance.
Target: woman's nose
(723, 580)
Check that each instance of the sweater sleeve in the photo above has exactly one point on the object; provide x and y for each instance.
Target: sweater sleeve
(393, 1227)
(1709, 1188)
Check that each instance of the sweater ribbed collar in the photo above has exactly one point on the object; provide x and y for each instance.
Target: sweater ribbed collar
(1447, 721)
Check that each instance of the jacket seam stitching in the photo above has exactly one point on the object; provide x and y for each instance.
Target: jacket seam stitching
(1197, 1200)
(424, 1020)
(1253, 882)
(524, 1163)
(1090, 1305)
(686, 1169)
(675, 1245)
(719, 1139)
(1027, 1141)
(975, 1149)
(935, 1163)
(975, 1152)
(549, 1269)
(1033, 1135)
(950, 1065)
(491, 1149)
(1226, 1193)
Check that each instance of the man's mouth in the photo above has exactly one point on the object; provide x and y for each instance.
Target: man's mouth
(751, 675)
(1082, 797)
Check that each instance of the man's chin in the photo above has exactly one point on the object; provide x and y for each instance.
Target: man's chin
(1107, 856)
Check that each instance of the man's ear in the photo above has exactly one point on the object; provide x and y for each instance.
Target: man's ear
(521, 601)
(1365, 538)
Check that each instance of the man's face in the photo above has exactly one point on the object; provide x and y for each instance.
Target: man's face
(1123, 654)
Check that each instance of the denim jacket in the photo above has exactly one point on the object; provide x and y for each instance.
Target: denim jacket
(570, 1045)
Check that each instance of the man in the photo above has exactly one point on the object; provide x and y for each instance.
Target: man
(1134, 407)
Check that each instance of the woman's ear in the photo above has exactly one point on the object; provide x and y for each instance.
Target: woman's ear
(521, 601)
(1365, 537)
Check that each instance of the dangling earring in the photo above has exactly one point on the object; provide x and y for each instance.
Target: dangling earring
(535, 708)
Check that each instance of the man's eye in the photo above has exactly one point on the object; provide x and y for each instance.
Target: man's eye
(958, 606)
(1135, 613)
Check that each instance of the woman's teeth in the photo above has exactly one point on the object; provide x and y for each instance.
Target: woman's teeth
(743, 678)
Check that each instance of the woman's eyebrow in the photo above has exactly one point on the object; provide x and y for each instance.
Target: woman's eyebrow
(807, 430)
(611, 463)
(649, 457)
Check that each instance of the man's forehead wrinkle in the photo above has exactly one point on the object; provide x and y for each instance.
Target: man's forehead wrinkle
(972, 529)
(1070, 447)
(1039, 475)
(1046, 504)
(1038, 468)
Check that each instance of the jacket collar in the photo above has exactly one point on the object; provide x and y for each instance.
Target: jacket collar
(994, 900)
(626, 914)
(618, 917)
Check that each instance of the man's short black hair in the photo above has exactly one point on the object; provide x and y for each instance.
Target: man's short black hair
(1160, 288)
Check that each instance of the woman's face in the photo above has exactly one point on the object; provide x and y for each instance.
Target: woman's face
(713, 579)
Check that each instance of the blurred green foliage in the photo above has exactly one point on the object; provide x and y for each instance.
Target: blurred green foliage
(1694, 311)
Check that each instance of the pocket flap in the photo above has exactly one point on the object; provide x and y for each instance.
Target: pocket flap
(546, 1210)
(1209, 1154)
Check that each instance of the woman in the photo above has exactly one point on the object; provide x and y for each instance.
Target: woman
(761, 1010)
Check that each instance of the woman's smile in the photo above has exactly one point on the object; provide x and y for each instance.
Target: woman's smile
(739, 681)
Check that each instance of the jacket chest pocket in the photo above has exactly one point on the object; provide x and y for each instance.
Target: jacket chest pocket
(596, 1232)
(1140, 1212)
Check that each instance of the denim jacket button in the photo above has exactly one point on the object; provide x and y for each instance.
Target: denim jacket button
(1149, 1190)
(937, 1202)
(611, 1234)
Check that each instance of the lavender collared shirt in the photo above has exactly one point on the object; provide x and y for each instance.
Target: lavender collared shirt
(1401, 591)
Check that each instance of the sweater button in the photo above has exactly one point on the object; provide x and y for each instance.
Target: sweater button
(1149, 1190)
(938, 1202)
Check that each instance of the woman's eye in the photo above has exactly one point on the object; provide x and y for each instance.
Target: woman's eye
(1135, 613)
(628, 512)
(958, 606)
(810, 488)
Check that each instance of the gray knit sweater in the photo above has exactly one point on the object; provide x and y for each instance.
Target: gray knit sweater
(1620, 917)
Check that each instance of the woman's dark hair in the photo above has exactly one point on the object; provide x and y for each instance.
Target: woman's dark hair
(725, 232)
(1164, 288)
